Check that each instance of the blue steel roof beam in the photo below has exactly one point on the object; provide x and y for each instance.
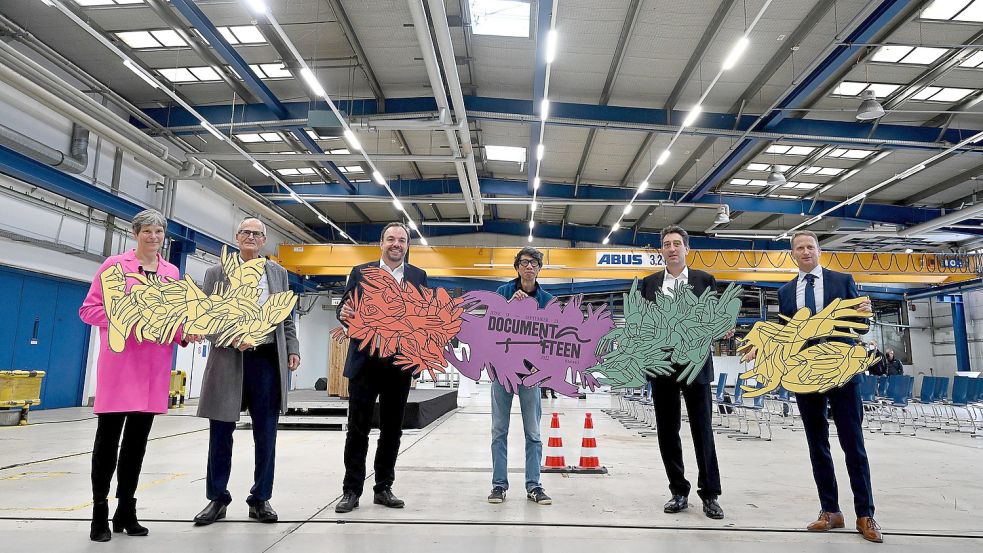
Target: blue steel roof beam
(835, 63)
(203, 25)
(872, 212)
(577, 233)
(583, 115)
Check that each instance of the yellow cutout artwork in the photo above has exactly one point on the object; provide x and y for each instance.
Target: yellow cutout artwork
(155, 309)
(782, 358)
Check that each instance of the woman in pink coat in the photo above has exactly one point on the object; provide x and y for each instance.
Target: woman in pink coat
(131, 386)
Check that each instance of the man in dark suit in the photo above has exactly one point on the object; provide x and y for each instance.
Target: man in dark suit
(666, 390)
(814, 288)
(372, 377)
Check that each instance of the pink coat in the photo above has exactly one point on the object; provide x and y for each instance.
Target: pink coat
(138, 378)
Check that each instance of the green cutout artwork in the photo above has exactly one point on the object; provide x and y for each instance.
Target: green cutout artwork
(673, 330)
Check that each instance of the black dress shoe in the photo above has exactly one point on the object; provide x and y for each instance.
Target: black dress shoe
(263, 512)
(212, 512)
(386, 497)
(348, 502)
(676, 504)
(712, 509)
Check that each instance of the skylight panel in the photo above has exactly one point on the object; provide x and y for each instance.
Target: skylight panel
(849, 88)
(925, 93)
(139, 39)
(973, 13)
(800, 150)
(177, 75)
(942, 94)
(924, 55)
(846, 153)
(276, 71)
(918, 55)
(248, 34)
(288, 172)
(740, 182)
(169, 38)
(951, 94)
(944, 9)
(500, 17)
(249, 137)
(205, 73)
(976, 60)
(883, 90)
(891, 54)
(271, 137)
(227, 35)
(505, 153)
(778, 149)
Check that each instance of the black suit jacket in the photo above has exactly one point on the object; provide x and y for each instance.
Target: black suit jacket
(356, 357)
(700, 281)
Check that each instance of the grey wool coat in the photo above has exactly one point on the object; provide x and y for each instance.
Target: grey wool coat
(221, 389)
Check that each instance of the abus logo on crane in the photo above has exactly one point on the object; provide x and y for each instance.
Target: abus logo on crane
(635, 259)
(629, 259)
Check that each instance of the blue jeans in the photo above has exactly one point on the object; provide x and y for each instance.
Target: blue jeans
(532, 411)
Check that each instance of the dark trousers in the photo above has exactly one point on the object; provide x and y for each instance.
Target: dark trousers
(848, 415)
(378, 378)
(668, 419)
(261, 396)
(135, 428)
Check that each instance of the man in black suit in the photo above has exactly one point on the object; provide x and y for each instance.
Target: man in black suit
(815, 287)
(666, 390)
(372, 377)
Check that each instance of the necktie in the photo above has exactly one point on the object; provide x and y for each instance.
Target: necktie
(810, 300)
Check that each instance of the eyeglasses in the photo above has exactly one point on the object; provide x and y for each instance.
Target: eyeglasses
(529, 263)
(253, 233)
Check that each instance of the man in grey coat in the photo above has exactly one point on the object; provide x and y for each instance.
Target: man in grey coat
(246, 376)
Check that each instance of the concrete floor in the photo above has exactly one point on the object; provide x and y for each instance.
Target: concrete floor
(927, 491)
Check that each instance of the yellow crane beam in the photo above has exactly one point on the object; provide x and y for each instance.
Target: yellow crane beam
(728, 265)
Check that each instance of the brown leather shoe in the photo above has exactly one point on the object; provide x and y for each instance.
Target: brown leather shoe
(868, 527)
(827, 521)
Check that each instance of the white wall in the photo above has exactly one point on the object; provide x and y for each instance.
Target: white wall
(313, 333)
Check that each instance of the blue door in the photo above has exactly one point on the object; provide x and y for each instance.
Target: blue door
(40, 330)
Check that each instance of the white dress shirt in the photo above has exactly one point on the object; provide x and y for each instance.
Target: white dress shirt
(397, 273)
(670, 282)
(800, 289)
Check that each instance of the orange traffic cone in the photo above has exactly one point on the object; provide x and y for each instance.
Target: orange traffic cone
(589, 462)
(554, 448)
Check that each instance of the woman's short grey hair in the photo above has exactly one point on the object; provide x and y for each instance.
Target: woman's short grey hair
(147, 218)
(531, 252)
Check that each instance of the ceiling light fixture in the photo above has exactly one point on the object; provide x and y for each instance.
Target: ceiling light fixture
(870, 109)
(735, 53)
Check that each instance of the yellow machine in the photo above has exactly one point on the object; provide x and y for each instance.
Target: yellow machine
(19, 390)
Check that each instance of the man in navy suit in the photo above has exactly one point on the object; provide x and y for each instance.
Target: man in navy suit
(814, 288)
(372, 377)
(666, 390)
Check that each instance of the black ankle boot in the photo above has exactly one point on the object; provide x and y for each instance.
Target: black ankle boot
(125, 519)
(99, 531)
